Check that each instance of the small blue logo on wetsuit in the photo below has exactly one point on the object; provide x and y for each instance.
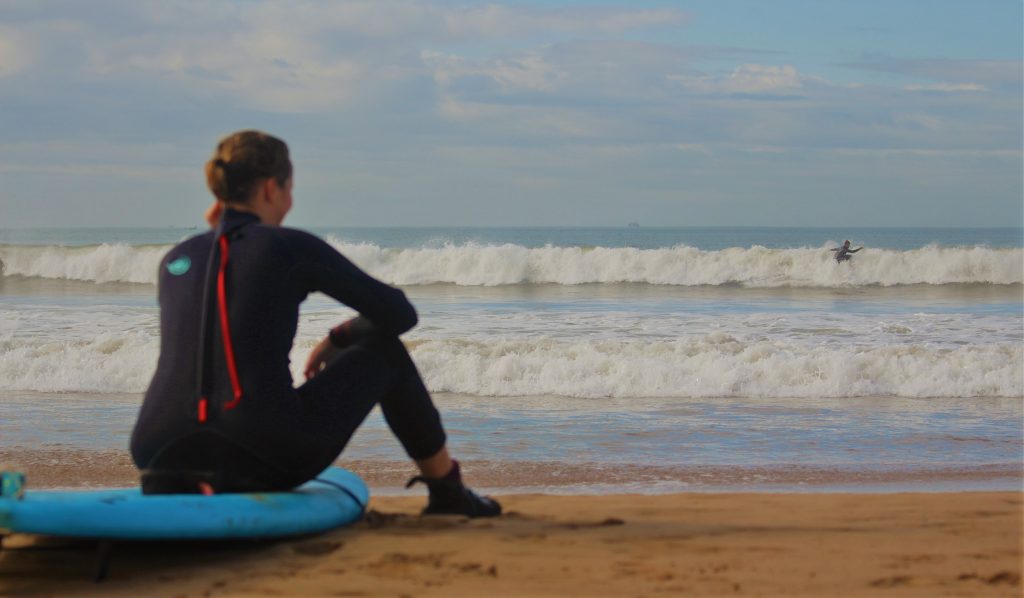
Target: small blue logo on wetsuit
(179, 266)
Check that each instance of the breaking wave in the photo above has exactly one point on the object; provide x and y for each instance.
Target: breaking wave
(474, 264)
(93, 263)
(711, 365)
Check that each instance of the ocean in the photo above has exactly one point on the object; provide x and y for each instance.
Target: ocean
(571, 360)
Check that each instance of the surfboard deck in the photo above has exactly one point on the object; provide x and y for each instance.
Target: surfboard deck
(337, 497)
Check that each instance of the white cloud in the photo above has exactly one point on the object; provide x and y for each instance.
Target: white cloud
(262, 66)
(918, 121)
(529, 71)
(15, 53)
(1014, 154)
(586, 90)
(110, 170)
(506, 21)
(757, 78)
(536, 95)
(947, 87)
(551, 123)
(991, 73)
(747, 79)
(313, 56)
(699, 148)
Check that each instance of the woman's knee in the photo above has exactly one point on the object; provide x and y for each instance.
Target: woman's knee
(390, 348)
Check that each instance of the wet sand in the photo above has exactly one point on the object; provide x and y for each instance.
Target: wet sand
(965, 543)
(58, 467)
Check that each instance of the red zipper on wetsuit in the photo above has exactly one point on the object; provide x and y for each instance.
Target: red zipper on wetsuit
(225, 329)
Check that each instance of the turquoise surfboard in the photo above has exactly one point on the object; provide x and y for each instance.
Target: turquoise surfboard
(337, 497)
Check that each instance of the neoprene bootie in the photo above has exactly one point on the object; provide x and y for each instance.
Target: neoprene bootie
(449, 496)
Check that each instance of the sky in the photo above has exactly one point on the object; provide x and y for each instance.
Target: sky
(530, 113)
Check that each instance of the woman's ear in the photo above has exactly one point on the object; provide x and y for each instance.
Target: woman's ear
(269, 188)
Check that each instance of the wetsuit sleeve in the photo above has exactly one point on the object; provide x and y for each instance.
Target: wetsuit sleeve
(322, 268)
(348, 331)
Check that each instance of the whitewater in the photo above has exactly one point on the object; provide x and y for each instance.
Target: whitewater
(474, 264)
(540, 318)
(589, 352)
(675, 348)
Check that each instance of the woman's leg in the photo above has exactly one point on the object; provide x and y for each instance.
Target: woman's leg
(375, 370)
(379, 370)
(436, 466)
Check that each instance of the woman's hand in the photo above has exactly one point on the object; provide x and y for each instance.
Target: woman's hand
(322, 353)
(213, 213)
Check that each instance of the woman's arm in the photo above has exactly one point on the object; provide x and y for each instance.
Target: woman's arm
(382, 308)
(324, 269)
(338, 338)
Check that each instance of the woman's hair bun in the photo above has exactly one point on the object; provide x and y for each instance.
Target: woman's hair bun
(241, 160)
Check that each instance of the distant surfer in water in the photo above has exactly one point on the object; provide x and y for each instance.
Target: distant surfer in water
(843, 253)
(222, 413)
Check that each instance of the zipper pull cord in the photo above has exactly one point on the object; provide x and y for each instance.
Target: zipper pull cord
(225, 325)
(202, 383)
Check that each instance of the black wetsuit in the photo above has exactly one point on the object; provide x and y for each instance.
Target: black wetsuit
(290, 433)
(843, 253)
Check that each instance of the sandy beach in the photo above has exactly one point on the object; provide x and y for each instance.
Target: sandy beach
(937, 544)
(717, 298)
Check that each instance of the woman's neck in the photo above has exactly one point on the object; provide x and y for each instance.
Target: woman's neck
(253, 208)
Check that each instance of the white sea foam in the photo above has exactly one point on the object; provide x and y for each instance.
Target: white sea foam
(106, 363)
(491, 265)
(710, 365)
(474, 264)
(95, 263)
(717, 365)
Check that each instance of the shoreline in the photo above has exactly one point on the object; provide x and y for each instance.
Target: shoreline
(966, 543)
(67, 468)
